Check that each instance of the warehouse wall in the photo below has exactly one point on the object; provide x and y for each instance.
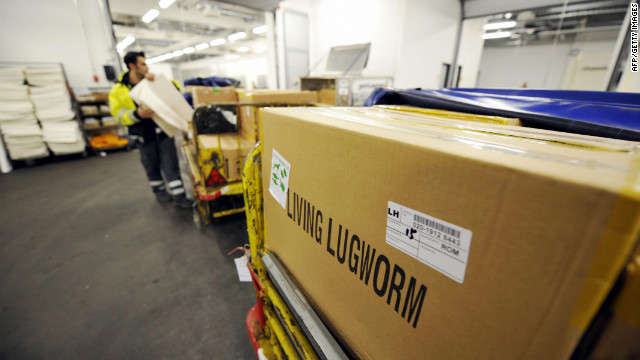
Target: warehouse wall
(514, 66)
(470, 53)
(577, 65)
(410, 39)
(51, 31)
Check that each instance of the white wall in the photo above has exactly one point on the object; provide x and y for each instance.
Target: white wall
(52, 31)
(577, 65)
(410, 39)
(470, 53)
(539, 66)
(428, 40)
(588, 62)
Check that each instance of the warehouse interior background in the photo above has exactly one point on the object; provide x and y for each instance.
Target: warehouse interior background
(545, 44)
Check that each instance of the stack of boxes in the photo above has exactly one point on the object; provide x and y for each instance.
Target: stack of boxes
(53, 108)
(20, 130)
(226, 152)
(420, 236)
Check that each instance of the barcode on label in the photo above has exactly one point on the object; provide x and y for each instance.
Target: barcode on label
(437, 226)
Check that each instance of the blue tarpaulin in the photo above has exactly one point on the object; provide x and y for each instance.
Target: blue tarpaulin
(606, 114)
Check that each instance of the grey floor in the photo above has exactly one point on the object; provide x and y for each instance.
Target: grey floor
(92, 267)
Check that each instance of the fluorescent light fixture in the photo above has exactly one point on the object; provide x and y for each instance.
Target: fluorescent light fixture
(178, 53)
(237, 36)
(188, 50)
(202, 46)
(150, 15)
(243, 49)
(168, 55)
(217, 42)
(125, 43)
(500, 25)
(496, 35)
(260, 29)
(166, 3)
(128, 40)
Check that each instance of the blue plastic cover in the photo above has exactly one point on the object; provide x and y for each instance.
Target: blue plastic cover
(606, 114)
(213, 81)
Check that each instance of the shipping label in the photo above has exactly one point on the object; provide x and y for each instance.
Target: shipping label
(440, 245)
(279, 181)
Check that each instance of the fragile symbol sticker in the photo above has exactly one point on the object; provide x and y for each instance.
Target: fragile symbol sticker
(279, 181)
(440, 245)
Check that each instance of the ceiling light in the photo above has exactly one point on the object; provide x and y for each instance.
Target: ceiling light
(202, 46)
(150, 15)
(168, 55)
(243, 49)
(178, 53)
(237, 36)
(496, 35)
(260, 29)
(500, 25)
(508, 15)
(166, 3)
(125, 43)
(188, 50)
(216, 42)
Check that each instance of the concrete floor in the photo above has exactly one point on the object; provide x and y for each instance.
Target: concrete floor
(92, 267)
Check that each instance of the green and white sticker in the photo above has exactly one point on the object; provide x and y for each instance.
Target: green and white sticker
(279, 180)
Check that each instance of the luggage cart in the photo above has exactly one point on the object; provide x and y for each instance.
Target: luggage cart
(212, 202)
(219, 198)
(282, 324)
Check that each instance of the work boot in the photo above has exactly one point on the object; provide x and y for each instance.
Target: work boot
(163, 196)
(182, 201)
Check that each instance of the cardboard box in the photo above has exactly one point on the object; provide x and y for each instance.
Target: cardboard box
(249, 122)
(89, 110)
(224, 152)
(327, 96)
(277, 96)
(425, 241)
(620, 337)
(207, 95)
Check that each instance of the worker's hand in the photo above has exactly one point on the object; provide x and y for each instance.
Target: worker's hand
(150, 76)
(145, 113)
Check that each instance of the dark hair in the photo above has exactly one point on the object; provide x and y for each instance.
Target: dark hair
(132, 58)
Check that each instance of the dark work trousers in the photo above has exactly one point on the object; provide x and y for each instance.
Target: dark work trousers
(159, 158)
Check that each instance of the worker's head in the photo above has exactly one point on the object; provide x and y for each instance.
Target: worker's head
(136, 62)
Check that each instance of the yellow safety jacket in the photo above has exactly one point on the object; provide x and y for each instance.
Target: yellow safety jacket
(124, 109)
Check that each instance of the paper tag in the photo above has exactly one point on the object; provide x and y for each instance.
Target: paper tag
(279, 180)
(440, 245)
(243, 271)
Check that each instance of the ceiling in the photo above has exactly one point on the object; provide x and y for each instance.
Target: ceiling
(187, 23)
(545, 24)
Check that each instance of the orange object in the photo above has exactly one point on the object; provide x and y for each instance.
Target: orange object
(107, 140)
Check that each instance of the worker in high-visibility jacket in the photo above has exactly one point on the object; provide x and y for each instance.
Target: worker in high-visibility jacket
(158, 150)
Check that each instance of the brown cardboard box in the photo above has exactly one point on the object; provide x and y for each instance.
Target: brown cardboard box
(428, 242)
(620, 338)
(231, 149)
(208, 95)
(327, 96)
(249, 122)
(277, 96)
